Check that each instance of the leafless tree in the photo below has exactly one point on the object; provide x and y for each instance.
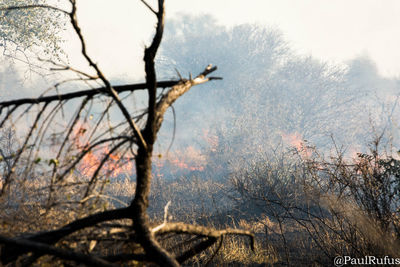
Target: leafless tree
(133, 137)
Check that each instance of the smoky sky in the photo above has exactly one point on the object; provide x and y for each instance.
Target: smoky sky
(268, 91)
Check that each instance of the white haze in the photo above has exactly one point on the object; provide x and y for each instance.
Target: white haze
(334, 31)
(358, 38)
(270, 92)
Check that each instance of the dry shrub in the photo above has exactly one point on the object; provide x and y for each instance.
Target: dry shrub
(361, 199)
(313, 208)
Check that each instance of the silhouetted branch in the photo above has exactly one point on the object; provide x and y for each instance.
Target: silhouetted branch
(10, 252)
(144, 155)
(41, 248)
(149, 7)
(11, 8)
(198, 230)
(178, 90)
(198, 248)
(90, 93)
(212, 236)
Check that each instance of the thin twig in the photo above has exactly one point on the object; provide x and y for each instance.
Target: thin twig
(149, 7)
(11, 8)
(137, 132)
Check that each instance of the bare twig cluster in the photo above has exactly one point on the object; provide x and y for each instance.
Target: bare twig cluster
(343, 206)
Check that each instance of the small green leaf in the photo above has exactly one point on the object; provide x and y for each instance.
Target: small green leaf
(55, 162)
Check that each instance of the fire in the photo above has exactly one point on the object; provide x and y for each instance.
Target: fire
(89, 164)
(113, 167)
(296, 140)
(117, 165)
(188, 159)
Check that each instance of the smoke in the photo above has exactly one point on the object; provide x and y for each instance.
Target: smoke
(269, 95)
(269, 92)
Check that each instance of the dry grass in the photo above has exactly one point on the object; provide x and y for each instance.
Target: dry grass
(237, 251)
(340, 228)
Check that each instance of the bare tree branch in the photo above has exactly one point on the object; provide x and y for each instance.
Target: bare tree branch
(41, 248)
(90, 93)
(149, 7)
(198, 248)
(10, 253)
(178, 90)
(11, 8)
(198, 230)
(144, 155)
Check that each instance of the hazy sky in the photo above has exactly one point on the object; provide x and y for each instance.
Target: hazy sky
(331, 30)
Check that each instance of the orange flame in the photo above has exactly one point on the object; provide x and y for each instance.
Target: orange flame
(114, 166)
(189, 159)
(296, 140)
(89, 164)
